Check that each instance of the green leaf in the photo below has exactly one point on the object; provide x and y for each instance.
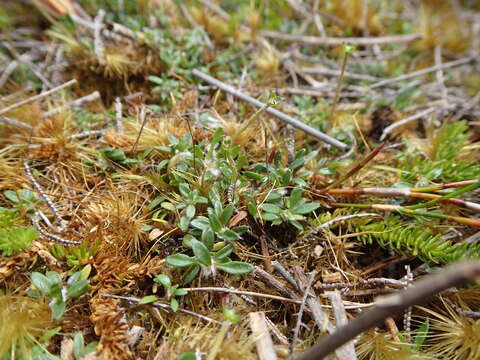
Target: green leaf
(231, 316)
(41, 282)
(201, 253)
(229, 235)
(147, 299)
(187, 356)
(295, 197)
(180, 260)
(270, 217)
(190, 211)
(174, 304)
(11, 195)
(184, 189)
(224, 252)
(168, 206)
(187, 241)
(184, 223)
(58, 309)
(271, 208)
(90, 348)
(208, 238)
(215, 223)
(306, 208)
(252, 208)
(191, 274)
(226, 214)
(236, 267)
(421, 335)
(156, 202)
(254, 175)
(163, 279)
(78, 288)
(180, 292)
(78, 345)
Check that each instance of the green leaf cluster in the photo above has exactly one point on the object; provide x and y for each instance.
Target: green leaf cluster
(446, 164)
(15, 237)
(51, 286)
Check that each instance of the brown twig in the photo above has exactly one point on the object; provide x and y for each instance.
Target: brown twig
(358, 166)
(347, 351)
(424, 289)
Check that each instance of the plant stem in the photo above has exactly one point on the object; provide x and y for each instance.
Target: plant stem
(219, 340)
(337, 90)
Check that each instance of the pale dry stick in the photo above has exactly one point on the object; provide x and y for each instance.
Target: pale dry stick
(439, 73)
(12, 65)
(306, 294)
(336, 41)
(263, 341)
(275, 331)
(407, 120)
(75, 103)
(158, 304)
(45, 197)
(318, 315)
(285, 274)
(282, 116)
(88, 133)
(98, 46)
(241, 292)
(118, 115)
(22, 59)
(16, 123)
(91, 27)
(347, 351)
(37, 97)
(341, 218)
(274, 282)
(443, 66)
(470, 104)
(455, 275)
(336, 73)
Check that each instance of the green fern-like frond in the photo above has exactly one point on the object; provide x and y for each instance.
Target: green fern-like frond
(393, 234)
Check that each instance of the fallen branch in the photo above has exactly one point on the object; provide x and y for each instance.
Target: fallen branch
(424, 289)
(39, 96)
(282, 116)
(335, 41)
(422, 72)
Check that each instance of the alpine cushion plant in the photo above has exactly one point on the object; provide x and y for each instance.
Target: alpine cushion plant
(279, 209)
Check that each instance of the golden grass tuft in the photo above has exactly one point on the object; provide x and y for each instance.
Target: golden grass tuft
(22, 320)
(452, 335)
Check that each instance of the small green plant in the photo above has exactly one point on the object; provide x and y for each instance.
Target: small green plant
(15, 237)
(445, 164)
(77, 257)
(80, 350)
(51, 286)
(190, 198)
(171, 291)
(278, 208)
